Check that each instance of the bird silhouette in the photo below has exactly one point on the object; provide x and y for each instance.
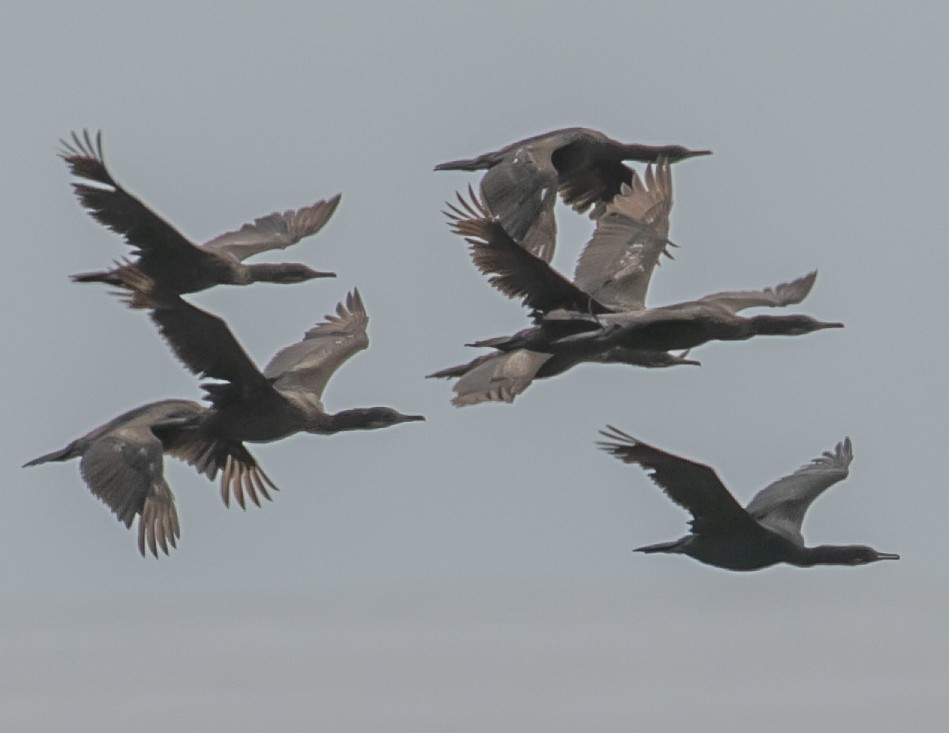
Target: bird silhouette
(165, 255)
(766, 532)
(283, 399)
(584, 165)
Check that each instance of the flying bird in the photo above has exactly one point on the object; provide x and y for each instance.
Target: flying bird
(122, 463)
(683, 325)
(286, 397)
(169, 258)
(766, 532)
(584, 166)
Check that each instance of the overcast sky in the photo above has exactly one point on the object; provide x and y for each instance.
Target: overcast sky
(474, 572)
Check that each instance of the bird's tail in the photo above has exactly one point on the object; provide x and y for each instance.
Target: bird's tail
(460, 370)
(674, 546)
(102, 276)
(497, 342)
(468, 164)
(64, 454)
(137, 289)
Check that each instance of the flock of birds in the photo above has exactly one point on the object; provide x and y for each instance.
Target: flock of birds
(598, 316)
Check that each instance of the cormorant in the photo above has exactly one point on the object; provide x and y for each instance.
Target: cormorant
(284, 398)
(766, 532)
(584, 165)
(170, 259)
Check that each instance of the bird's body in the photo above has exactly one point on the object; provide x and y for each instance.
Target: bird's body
(751, 548)
(585, 166)
(167, 257)
(122, 463)
(766, 532)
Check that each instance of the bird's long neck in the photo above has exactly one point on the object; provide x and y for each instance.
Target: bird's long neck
(265, 273)
(650, 153)
(806, 557)
(773, 325)
(357, 418)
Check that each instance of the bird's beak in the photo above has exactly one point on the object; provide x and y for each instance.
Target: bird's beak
(834, 324)
(887, 556)
(412, 418)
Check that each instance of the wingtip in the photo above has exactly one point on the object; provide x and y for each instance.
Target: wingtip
(614, 433)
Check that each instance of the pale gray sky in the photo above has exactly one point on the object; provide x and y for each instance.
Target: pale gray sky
(474, 572)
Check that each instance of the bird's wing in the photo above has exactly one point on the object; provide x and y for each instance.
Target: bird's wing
(124, 469)
(631, 235)
(511, 268)
(275, 231)
(781, 295)
(201, 341)
(241, 475)
(693, 486)
(497, 377)
(781, 505)
(205, 345)
(117, 209)
(521, 190)
(309, 364)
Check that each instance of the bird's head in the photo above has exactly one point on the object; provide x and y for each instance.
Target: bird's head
(848, 555)
(861, 555)
(676, 152)
(293, 272)
(383, 417)
(793, 325)
(369, 418)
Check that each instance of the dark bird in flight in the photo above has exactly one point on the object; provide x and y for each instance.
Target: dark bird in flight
(585, 166)
(672, 327)
(122, 463)
(766, 532)
(165, 255)
(283, 399)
